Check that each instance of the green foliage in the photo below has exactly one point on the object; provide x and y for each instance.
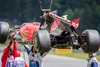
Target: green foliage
(26, 10)
(70, 13)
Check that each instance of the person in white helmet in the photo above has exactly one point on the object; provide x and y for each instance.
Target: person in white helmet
(92, 61)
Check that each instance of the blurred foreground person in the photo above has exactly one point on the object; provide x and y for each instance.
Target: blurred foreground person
(9, 55)
(92, 61)
(19, 61)
(32, 58)
(35, 59)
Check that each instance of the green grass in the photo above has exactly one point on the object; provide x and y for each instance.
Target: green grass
(79, 55)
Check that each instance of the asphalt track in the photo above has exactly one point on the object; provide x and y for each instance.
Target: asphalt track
(58, 61)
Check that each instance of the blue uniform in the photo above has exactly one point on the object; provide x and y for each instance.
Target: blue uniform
(10, 62)
(94, 64)
(32, 59)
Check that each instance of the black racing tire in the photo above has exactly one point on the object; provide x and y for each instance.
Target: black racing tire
(4, 31)
(92, 41)
(41, 40)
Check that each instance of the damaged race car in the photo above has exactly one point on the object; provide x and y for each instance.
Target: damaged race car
(53, 32)
(65, 34)
(56, 31)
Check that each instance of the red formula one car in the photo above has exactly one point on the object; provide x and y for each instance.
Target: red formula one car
(65, 34)
(53, 33)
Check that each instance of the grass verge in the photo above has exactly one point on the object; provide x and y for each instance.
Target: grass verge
(78, 55)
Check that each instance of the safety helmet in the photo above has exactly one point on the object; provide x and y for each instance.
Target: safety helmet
(94, 54)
